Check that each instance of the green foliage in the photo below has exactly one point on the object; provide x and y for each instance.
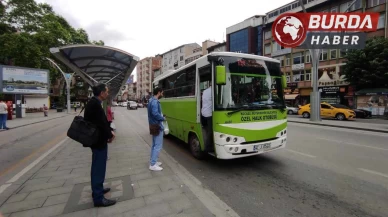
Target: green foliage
(28, 30)
(368, 68)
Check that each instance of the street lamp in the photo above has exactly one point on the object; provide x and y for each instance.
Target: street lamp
(67, 77)
(315, 96)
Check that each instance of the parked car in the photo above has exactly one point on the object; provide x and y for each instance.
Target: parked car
(292, 110)
(328, 111)
(132, 105)
(360, 113)
(140, 105)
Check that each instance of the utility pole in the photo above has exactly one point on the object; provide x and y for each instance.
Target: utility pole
(315, 96)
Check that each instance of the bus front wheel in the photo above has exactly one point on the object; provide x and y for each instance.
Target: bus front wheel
(195, 147)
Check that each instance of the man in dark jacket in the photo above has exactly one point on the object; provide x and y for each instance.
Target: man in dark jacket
(95, 114)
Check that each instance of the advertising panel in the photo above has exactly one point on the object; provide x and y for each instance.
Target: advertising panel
(16, 80)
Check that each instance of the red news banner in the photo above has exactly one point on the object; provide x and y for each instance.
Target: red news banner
(324, 30)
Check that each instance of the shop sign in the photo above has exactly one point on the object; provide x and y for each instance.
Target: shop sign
(329, 90)
(331, 76)
(296, 67)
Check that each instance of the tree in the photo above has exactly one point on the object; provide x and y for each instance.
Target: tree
(28, 30)
(368, 67)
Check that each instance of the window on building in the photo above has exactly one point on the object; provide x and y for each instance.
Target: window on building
(298, 58)
(333, 54)
(342, 53)
(267, 49)
(268, 34)
(381, 23)
(281, 59)
(357, 5)
(181, 58)
(373, 3)
(308, 56)
(288, 60)
(239, 41)
(306, 76)
(323, 55)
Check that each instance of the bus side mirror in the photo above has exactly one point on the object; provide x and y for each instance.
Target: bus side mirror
(220, 75)
(284, 81)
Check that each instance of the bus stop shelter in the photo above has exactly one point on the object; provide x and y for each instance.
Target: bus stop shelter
(98, 64)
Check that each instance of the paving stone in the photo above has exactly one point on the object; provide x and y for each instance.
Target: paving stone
(22, 205)
(49, 192)
(49, 174)
(122, 207)
(181, 203)
(140, 192)
(86, 165)
(17, 197)
(57, 199)
(167, 186)
(141, 176)
(150, 211)
(154, 181)
(41, 186)
(163, 196)
(41, 212)
(49, 169)
(37, 181)
(82, 213)
(78, 180)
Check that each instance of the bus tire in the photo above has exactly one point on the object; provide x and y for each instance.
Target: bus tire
(195, 147)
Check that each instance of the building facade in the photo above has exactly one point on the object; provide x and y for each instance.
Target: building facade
(221, 47)
(296, 63)
(246, 36)
(176, 58)
(144, 70)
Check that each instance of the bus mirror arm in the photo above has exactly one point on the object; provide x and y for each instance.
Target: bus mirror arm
(220, 75)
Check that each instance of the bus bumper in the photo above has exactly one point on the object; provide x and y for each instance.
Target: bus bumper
(231, 151)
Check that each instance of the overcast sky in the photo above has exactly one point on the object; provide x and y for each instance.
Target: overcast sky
(150, 27)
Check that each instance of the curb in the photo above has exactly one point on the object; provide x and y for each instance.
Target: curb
(343, 127)
(36, 122)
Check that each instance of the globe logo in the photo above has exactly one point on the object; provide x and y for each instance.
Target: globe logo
(289, 31)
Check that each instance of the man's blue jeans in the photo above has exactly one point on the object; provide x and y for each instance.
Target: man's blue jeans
(3, 121)
(157, 144)
(98, 173)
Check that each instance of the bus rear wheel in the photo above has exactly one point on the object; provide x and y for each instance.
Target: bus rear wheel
(195, 147)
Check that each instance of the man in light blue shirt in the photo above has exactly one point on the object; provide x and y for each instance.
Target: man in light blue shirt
(155, 118)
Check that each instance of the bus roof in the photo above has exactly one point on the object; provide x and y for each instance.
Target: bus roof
(231, 54)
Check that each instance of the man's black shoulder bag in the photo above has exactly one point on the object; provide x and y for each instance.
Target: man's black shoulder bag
(83, 131)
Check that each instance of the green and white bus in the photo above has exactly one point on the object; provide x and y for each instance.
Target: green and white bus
(249, 112)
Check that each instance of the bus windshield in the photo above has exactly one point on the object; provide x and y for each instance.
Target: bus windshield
(251, 84)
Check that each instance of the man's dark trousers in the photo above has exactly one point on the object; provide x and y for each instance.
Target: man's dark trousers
(98, 173)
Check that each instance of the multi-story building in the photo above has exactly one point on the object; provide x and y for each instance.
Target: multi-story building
(296, 63)
(246, 36)
(221, 47)
(176, 58)
(144, 72)
(206, 45)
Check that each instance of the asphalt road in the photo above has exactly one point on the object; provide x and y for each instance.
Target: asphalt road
(323, 172)
(21, 146)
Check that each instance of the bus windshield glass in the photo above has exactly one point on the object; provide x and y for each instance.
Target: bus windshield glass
(250, 84)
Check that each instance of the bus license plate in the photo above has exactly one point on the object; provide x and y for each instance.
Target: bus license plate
(261, 146)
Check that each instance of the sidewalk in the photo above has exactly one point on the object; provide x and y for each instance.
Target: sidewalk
(352, 124)
(60, 186)
(32, 118)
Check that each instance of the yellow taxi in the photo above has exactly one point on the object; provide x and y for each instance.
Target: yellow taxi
(328, 111)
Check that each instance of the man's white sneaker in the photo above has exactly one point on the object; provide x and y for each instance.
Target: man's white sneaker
(156, 168)
(159, 163)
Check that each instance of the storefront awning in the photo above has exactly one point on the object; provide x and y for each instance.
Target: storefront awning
(372, 91)
(290, 96)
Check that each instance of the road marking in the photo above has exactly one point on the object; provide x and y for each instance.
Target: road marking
(373, 172)
(348, 143)
(30, 166)
(297, 152)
